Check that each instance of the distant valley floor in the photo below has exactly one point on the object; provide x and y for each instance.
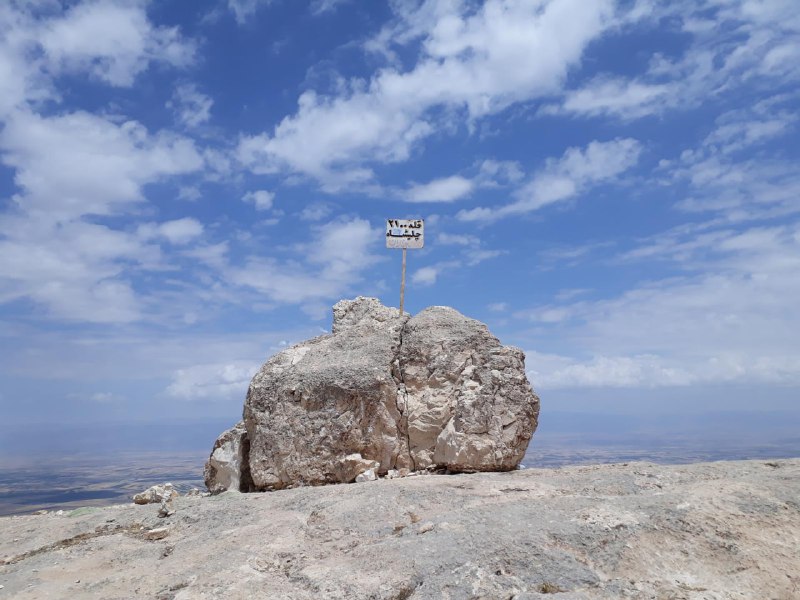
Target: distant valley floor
(63, 482)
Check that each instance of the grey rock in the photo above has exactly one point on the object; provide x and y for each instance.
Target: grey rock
(166, 509)
(156, 494)
(353, 465)
(368, 475)
(722, 530)
(436, 390)
(156, 534)
(470, 406)
(227, 468)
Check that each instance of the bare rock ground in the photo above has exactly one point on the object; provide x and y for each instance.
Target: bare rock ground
(705, 531)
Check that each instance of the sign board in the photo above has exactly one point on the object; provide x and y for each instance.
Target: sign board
(405, 233)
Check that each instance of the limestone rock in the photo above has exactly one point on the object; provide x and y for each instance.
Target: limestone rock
(166, 509)
(469, 404)
(385, 392)
(227, 467)
(368, 475)
(353, 465)
(156, 494)
(156, 534)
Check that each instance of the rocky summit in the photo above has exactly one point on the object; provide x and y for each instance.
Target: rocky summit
(717, 531)
(383, 394)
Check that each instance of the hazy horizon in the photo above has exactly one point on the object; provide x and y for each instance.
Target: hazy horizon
(66, 467)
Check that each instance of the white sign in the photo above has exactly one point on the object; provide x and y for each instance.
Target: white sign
(405, 233)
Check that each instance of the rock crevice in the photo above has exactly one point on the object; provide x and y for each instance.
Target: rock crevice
(436, 390)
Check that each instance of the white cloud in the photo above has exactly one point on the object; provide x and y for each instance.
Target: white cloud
(80, 266)
(261, 199)
(562, 179)
(325, 268)
(731, 45)
(425, 276)
(111, 39)
(76, 270)
(189, 193)
(72, 166)
(446, 189)
(320, 7)
(191, 106)
(181, 231)
(430, 274)
(620, 98)
(474, 62)
(97, 397)
(476, 255)
(743, 129)
(457, 239)
(735, 185)
(49, 155)
(214, 255)
(316, 211)
(244, 9)
(732, 321)
(496, 173)
(220, 381)
(547, 371)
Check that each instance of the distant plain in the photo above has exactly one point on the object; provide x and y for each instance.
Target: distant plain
(102, 464)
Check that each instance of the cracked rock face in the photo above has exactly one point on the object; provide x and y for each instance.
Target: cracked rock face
(227, 467)
(437, 389)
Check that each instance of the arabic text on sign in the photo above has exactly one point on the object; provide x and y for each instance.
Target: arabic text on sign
(405, 233)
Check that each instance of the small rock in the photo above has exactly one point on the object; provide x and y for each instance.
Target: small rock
(156, 534)
(40, 512)
(426, 527)
(404, 472)
(392, 474)
(166, 509)
(77, 581)
(59, 512)
(351, 466)
(156, 493)
(368, 475)
(194, 493)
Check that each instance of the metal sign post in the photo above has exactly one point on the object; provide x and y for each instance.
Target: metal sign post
(405, 234)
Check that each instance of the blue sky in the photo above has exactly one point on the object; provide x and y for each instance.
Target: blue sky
(187, 188)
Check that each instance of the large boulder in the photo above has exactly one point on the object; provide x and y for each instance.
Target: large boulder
(433, 390)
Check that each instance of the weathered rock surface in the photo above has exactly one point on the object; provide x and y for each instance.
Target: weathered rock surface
(353, 465)
(156, 494)
(433, 390)
(227, 467)
(714, 531)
